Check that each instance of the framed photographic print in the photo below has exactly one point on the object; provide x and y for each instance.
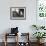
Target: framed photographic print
(41, 8)
(17, 13)
(41, 12)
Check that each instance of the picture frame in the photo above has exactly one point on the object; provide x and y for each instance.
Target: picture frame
(18, 13)
(41, 12)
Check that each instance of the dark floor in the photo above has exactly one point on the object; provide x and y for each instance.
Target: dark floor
(13, 44)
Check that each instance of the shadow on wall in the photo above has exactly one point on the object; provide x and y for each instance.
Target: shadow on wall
(7, 31)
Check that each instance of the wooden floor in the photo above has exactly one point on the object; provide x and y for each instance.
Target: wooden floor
(13, 44)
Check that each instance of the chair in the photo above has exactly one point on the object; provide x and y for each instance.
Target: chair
(25, 37)
(14, 32)
(7, 35)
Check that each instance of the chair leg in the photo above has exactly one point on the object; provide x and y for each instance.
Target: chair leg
(5, 40)
(5, 43)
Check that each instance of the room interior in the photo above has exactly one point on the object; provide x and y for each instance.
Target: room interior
(22, 22)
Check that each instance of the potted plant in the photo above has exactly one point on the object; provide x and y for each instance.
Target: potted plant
(39, 35)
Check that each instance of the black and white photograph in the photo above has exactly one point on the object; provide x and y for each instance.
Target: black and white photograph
(17, 13)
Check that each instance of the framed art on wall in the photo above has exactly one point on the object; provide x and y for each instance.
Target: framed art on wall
(17, 13)
(41, 8)
(41, 12)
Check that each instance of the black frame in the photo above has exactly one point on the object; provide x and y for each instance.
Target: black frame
(18, 18)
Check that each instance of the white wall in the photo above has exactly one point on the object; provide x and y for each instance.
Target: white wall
(24, 25)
